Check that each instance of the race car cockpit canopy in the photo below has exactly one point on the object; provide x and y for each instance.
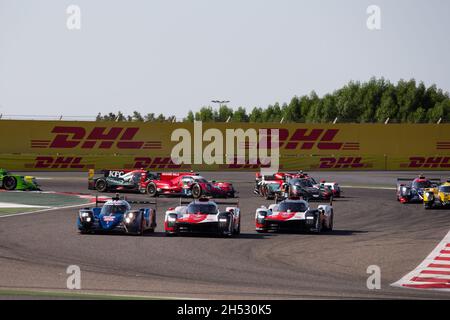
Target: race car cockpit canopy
(201, 208)
(301, 182)
(114, 208)
(292, 206)
(421, 183)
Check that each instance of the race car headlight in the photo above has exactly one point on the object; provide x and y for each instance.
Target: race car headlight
(310, 218)
(130, 215)
(171, 219)
(86, 216)
(223, 220)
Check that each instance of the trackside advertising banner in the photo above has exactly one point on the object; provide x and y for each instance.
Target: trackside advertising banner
(78, 146)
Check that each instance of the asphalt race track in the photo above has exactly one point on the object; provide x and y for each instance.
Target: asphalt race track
(371, 228)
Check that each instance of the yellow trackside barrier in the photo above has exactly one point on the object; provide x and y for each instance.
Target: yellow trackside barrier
(80, 146)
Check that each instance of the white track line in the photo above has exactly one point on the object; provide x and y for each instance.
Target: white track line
(43, 210)
(368, 187)
(9, 205)
(433, 273)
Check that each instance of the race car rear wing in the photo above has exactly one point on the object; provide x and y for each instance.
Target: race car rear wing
(281, 198)
(151, 202)
(221, 202)
(435, 180)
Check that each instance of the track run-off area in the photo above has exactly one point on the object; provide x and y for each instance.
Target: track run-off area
(370, 229)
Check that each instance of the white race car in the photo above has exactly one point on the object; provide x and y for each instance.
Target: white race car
(294, 214)
(203, 216)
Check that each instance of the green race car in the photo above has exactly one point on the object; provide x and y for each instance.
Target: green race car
(11, 181)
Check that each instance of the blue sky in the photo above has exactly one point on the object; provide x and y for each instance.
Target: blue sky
(170, 56)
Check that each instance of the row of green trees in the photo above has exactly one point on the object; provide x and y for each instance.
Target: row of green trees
(374, 101)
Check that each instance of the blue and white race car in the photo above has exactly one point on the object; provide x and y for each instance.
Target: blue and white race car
(116, 215)
(411, 190)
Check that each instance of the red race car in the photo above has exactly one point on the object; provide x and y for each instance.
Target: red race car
(188, 185)
(131, 180)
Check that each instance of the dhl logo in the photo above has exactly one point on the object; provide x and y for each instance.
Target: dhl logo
(70, 137)
(307, 139)
(427, 162)
(155, 163)
(342, 163)
(49, 162)
(98, 137)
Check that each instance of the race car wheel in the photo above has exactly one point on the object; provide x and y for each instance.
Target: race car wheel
(261, 191)
(152, 224)
(152, 191)
(330, 227)
(238, 230)
(9, 183)
(101, 185)
(319, 225)
(196, 191)
(141, 228)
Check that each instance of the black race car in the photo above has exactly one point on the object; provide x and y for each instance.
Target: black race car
(119, 180)
(302, 188)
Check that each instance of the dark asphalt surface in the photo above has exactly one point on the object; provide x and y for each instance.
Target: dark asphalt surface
(371, 228)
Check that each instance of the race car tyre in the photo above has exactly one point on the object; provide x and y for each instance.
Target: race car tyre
(330, 227)
(268, 195)
(238, 231)
(141, 228)
(101, 185)
(152, 191)
(319, 225)
(260, 190)
(9, 183)
(152, 224)
(196, 191)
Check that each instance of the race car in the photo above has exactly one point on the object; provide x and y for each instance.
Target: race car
(203, 216)
(437, 197)
(269, 185)
(299, 187)
(304, 188)
(294, 214)
(9, 181)
(189, 185)
(119, 180)
(116, 215)
(411, 190)
(128, 180)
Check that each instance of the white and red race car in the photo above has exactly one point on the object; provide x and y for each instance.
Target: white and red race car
(203, 216)
(294, 214)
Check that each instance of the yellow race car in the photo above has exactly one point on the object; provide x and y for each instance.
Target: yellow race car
(437, 197)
